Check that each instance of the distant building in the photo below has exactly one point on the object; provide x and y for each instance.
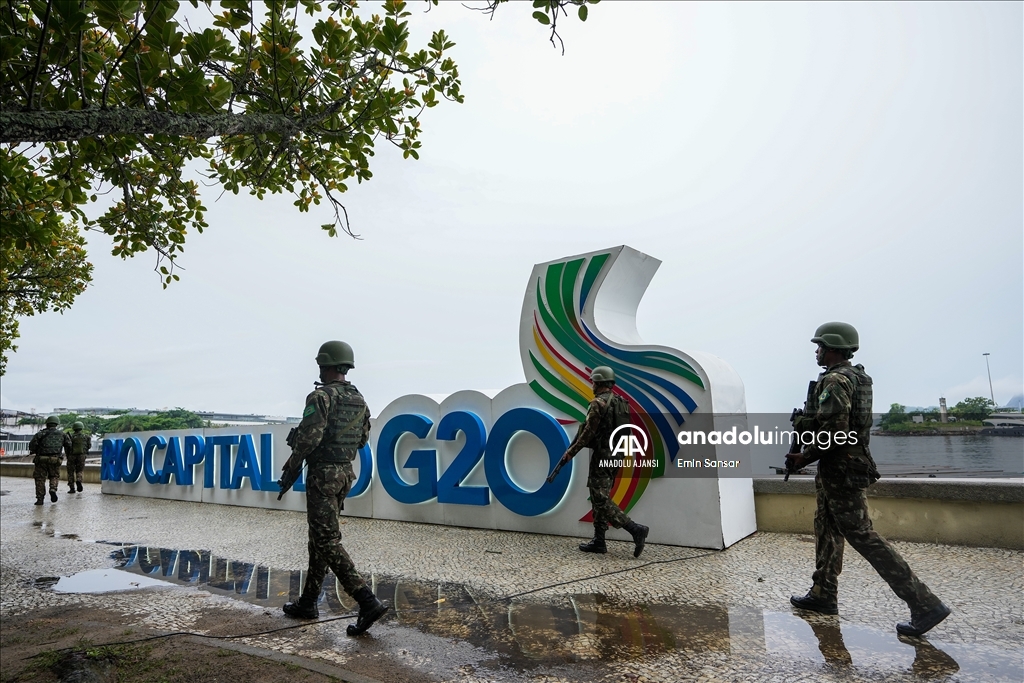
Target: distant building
(246, 419)
(10, 418)
(97, 411)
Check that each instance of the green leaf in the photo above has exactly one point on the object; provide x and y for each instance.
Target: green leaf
(542, 18)
(583, 12)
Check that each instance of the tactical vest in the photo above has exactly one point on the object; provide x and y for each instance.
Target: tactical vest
(857, 470)
(344, 431)
(52, 442)
(860, 409)
(615, 413)
(79, 443)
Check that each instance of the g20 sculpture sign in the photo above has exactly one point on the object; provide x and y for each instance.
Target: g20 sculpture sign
(481, 461)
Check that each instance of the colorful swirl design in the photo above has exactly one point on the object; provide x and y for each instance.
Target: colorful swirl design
(564, 349)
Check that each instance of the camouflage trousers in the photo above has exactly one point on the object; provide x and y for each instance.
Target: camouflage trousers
(605, 510)
(842, 513)
(327, 485)
(76, 466)
(47, 468)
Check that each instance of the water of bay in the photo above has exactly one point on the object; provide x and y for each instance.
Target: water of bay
(990, 456)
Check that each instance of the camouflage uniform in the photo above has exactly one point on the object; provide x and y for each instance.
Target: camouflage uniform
(46, 447)
(80, 445)
(335, 424)
(840, 401)
(593, 434)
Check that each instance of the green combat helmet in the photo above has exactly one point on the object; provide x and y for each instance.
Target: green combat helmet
(837, 336)
(52, 420)
(78, 426)
(602, 373)
(336, 353)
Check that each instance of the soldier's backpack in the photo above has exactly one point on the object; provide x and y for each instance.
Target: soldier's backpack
(618, 412)
(861, 470)
(345, 418)
(615, 415)
(51, 443)
(78, 442)
(860, 410)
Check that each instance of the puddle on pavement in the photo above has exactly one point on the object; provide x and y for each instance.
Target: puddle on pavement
(47, 528)
(98, 581)
(577, 628)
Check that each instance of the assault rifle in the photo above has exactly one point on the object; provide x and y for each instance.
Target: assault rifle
(794, 445)
(554, 472)
(290, 473)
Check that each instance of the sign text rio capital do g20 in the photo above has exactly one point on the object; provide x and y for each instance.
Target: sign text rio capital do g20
(480, 461)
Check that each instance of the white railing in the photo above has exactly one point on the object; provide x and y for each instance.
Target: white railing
(14, 448)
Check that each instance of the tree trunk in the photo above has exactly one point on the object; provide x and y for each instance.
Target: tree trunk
(59, 126)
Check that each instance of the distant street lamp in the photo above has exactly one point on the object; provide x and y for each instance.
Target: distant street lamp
(990, 392)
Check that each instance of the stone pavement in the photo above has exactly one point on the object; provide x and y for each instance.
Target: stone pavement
(693, 615)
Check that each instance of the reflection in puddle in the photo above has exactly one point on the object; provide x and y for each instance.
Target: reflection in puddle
(98, 581)
(579, 628)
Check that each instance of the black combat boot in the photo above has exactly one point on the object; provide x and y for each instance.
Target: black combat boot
(815, 601)
(922, 622)
(370, 610)
(39, 501)
(639, 533)
(53, 496)
(304, 608)
(79, 484)
(596, 544)
(71, 488)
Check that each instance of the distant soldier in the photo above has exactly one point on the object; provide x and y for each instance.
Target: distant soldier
(46, 448)
(839, 405)
(81, 442)
(335, 425)
(606, 412)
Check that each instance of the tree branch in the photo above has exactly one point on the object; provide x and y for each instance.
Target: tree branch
(61, 126)
(39, 53)
(117, 62)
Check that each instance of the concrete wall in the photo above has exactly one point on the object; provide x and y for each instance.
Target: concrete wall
(984, 513)
(91, 475)
(972, 512)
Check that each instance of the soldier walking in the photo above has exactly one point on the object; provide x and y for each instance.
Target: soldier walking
(606, 412)
(335, 424)
(840, 403)
(81, 442)
(46, 448)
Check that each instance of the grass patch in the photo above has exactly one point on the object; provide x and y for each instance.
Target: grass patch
(952, 427)
(64, 632)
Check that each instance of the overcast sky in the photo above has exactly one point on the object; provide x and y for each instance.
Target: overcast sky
(789, 164)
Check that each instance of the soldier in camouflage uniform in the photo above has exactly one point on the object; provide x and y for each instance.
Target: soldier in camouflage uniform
(839, 402)
(606, 412)
(335, 424)
(46, 448)
(80, 445)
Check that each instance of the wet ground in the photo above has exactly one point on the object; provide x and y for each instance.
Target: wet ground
(471, 605)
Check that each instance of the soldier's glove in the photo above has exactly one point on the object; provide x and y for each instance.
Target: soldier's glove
(288, 478)
(794, 461)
